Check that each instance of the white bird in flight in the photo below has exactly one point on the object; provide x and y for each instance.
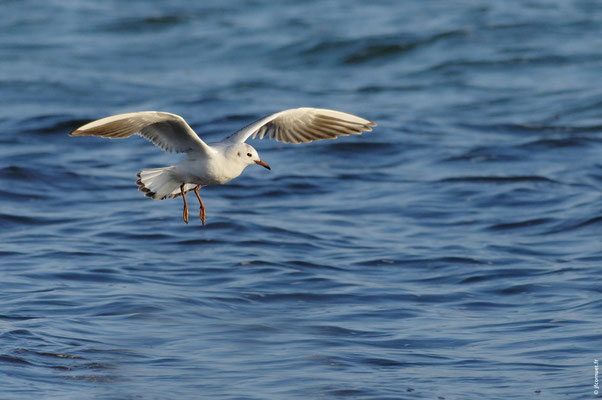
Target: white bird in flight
(216, 163)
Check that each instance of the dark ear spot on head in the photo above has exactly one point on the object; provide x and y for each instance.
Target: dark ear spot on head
(238, 154)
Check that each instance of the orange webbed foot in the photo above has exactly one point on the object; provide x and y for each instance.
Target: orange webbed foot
(185, 214)
(202, 213)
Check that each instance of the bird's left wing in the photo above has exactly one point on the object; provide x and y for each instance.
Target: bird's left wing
(302, 125)
(167, 131)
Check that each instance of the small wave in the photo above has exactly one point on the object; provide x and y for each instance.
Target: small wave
(521, 224)
(59, 355)
(303, 297)
(571, 225)
(51, 124)
(497, 63)
(15, 318)
(384, 362)
(518, 289)
(565, 142)
(337, 331)
(15, 172)
(196, 242)
(359, 147)
(484, 305)
(498, 179)
(433, 262)
(532, 128)
(367, 49)
(37, 220)
(386, 47)
(148, 23)
(13, 360)
(487, 154)
(90, 277)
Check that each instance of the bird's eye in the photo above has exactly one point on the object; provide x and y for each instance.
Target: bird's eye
(248, 154)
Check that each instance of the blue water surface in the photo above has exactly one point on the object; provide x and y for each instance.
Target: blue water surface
(454, 252)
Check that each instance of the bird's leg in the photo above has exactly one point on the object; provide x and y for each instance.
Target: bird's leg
(196, 191)
(185, 205)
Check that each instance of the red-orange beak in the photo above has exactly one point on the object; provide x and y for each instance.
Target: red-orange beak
(263, 164)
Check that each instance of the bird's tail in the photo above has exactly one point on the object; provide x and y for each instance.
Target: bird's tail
(159, 183)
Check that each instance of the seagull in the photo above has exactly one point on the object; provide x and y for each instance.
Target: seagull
(216, 163)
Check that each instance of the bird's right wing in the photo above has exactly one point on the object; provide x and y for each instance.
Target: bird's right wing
(303, 125)
(167, 131)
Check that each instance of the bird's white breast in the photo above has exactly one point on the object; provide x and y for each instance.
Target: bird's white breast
(213, 170)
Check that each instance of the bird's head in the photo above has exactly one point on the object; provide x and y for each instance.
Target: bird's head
(247, 155)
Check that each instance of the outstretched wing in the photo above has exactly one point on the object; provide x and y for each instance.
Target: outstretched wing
(167, 131)
(302, 125)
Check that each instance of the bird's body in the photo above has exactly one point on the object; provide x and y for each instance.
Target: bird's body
(209, 169)
(216, 163)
